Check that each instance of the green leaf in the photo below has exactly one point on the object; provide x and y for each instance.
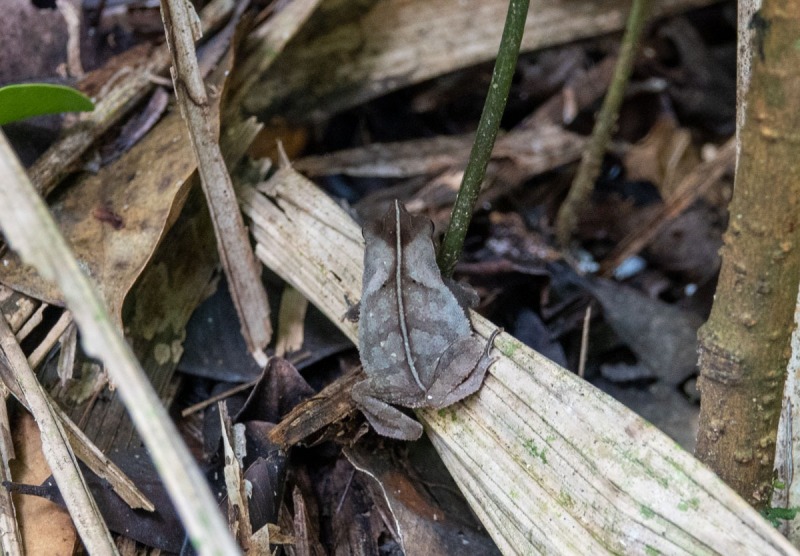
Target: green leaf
(775, 515)
(18, 102)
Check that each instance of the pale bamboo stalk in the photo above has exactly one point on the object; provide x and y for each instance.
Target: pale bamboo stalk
(32, 232)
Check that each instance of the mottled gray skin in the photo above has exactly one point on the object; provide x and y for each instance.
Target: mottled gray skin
(416, 343)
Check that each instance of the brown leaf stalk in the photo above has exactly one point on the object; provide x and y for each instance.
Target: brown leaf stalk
(233, 244)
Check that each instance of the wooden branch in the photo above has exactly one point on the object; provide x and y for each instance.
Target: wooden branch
(744, 346)
(548, 462)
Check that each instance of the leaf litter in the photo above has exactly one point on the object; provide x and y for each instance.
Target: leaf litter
(411, 144)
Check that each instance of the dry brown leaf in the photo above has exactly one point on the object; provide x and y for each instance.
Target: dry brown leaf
(46, 528)
(424, 513)
(114, 220)
(664, 156)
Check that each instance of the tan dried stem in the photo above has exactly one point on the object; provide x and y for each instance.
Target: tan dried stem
(233, 244)
(30, 230)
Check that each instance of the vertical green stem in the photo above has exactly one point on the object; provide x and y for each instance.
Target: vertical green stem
(578, 198)
(475, 171)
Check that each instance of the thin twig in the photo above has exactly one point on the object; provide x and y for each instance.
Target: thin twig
(52, 337)
(587, 320)
(690, 188)
(33, 321)
(199, 406)
(233, 244)
(578, 198)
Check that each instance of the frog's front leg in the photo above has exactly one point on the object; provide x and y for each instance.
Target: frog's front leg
(461, 370)
(353, 312)
(384, 418)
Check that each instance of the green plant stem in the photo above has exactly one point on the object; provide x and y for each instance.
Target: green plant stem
(578, 198)
(475, 171)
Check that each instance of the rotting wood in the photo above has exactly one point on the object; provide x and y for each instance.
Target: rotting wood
(310, 416)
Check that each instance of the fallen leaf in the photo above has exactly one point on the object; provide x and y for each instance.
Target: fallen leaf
(662, 157)
(114, 219)
(662, 335)
(422, 524)
(46, 528)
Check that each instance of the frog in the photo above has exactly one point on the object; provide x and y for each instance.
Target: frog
(417, 345)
